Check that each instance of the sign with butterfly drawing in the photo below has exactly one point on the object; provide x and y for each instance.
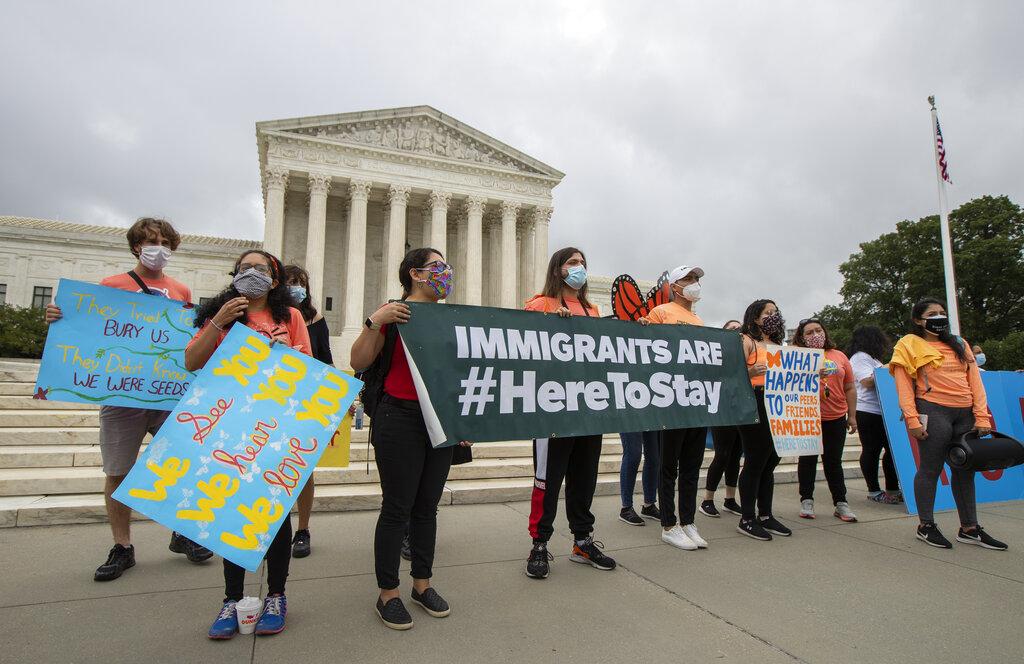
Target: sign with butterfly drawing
(629, 303)
(792, 400)
(232, 457)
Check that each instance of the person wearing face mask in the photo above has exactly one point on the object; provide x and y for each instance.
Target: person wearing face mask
(152, 241)
(726, 462)
(412, 471)
(979, 356)
(682, 450)
(575, 459)
(297, 281)
(942, 398)
(762, 324)
(259, 299)
(838, 400)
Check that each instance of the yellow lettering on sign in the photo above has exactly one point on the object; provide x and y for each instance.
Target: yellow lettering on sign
(282, 384)
(168, 474)
(260, 516)
(246, 362)
(325, 401)
(217, 490)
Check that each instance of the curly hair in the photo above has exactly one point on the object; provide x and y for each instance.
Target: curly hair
(279, 300)
(753, 330)
(798, 336)
(146, 227)
(871, 340)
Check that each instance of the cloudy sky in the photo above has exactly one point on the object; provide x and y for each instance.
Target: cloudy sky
(761, 140)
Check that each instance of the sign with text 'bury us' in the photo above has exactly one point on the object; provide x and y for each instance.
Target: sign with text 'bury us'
(232, 457)
(116, 348)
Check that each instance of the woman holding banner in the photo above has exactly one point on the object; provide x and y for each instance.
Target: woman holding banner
(726, 462)
(575, 459)
(412, 471)
(258, 298)
(942, 398)
(869, 348)
(762, 324)
(297, 280)
(838, 399)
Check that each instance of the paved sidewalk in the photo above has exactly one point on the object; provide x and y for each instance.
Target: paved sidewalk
(833, 593)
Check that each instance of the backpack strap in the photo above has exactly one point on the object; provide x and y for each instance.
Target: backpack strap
(142, 284)
(390, 339)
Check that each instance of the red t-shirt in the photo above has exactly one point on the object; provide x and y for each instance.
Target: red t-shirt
(398, 383)
(165, 286)
(295, 332)
(834, 405)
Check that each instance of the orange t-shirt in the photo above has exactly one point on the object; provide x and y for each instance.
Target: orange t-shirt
(165, 286)
(833, 404)
(295, 332)
(759, 356)
(673, 313)
(552, 304)
(955, 384)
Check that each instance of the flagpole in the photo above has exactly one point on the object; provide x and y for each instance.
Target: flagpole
(947, 245)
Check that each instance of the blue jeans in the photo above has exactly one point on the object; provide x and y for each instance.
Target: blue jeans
(633, 444)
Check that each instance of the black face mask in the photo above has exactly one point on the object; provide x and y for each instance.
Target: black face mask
(936, 324)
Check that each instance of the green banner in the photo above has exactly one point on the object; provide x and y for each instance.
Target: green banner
(486, 374)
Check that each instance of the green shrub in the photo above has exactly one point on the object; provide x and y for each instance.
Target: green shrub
(22, 332)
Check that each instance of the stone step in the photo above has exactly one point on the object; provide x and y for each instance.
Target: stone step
(17, 389)
(23, 436)
(17, 375)
(47, 418)
(9, 402)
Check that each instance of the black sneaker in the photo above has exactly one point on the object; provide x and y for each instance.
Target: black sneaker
(406, 548)
(979, 537)
(300, 544)
(930, 535)
(432, 603)
(753, 528)
(537, 565)
(774, 526)
(394, 614)
(195, 553)
(651, 512)
(708, 508)
(730, 505)
(119, 559)
(589, 552)
(629, 515)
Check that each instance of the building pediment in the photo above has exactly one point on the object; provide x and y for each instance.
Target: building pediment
(420, 130)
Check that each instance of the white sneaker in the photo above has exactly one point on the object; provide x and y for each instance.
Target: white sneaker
(844, 512)
(807, 509)
(691, 532)
(676, 537)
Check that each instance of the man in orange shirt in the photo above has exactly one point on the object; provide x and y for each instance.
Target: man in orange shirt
(122, 430)
(682, 450)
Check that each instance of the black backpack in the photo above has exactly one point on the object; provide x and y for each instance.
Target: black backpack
(373, 376)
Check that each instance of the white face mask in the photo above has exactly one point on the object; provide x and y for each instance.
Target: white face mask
(691, 291)
(155, 257)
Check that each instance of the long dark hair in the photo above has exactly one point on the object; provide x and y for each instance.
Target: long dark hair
(296, 273)
(872, 340)
(553, 280)
(279, 301)
(415, 258)
(798, 336)
(753, 330)
(945, 337)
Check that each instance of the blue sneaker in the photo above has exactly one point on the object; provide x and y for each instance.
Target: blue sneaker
(272, 619)
(226, 624)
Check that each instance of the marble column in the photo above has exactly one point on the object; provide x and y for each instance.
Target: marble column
(394, 240)
(458, 255)
(273, 230)
(509, 211)
(355, 265)
(493, 261)
(425, 223)
(541, 219)
(316, 235)
(472, 287)
(439, 201)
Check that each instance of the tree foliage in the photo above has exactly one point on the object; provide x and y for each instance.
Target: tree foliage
(22, 332)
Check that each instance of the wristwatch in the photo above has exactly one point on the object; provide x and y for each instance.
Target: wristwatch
(370, 326)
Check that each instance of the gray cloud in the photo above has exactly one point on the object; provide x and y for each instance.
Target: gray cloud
(761, 140)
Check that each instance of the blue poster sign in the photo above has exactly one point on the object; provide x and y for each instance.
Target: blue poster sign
(232, 457)
(116, 348)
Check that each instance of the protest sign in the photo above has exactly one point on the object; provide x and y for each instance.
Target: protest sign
(792, 399)
(337, 453)
(232, 457)
(485, 374)
(116, 348)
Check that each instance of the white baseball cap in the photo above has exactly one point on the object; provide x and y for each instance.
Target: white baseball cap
(682, 271)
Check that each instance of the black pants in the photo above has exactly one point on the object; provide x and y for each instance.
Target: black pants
(728, 450)
(279, 556)
(945, 425)
(682, 451)
(833, 440)
(757, 479)
(873, 440)
(412, 477)
(575, 459)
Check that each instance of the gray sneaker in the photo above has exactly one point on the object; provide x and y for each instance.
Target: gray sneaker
(844, 512)
(807, 509)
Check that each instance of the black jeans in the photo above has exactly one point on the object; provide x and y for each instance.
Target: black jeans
(833, 440)
(279, 556)
(575, 459)
(682, 451)
(728, 450)
(412, 477)
(945, 425)
(757, 479)
(873, 440)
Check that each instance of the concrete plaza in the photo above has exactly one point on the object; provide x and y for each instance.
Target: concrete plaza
(833, 593)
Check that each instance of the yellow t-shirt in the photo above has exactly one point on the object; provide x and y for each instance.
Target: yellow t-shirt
(673, 312)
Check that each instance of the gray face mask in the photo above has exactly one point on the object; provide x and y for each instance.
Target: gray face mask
(252, 284)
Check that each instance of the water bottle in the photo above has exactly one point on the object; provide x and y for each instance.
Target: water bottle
(359, 415)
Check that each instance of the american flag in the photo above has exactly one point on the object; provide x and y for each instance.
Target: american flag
(940, 151)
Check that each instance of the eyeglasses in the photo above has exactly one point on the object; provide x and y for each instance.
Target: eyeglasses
(437, 267)
(262, 269)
